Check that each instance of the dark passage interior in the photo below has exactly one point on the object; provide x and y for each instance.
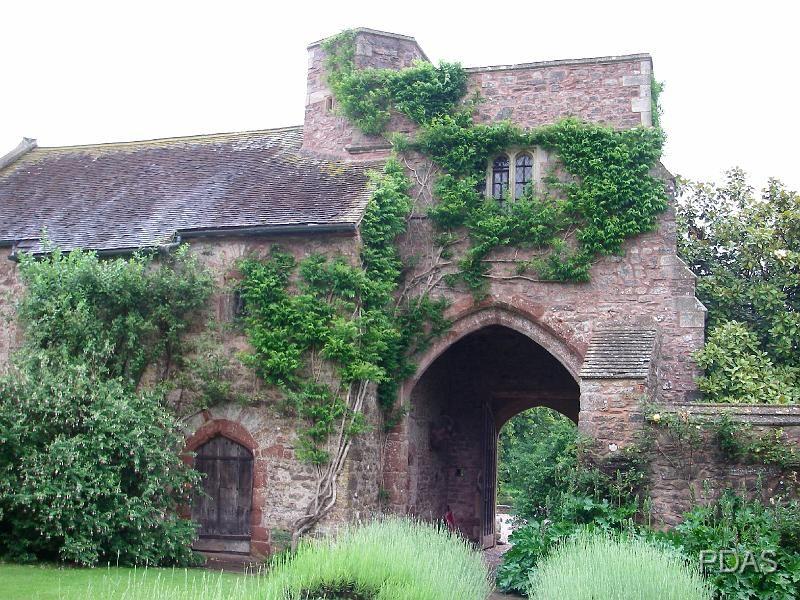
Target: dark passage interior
(457, 409)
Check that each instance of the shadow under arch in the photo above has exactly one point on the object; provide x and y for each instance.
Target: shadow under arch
(507, 315)
(494, 364)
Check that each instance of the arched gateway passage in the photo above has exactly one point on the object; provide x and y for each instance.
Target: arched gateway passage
(458, 406)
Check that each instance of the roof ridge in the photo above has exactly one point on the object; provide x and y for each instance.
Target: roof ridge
(199, 136)
(20, 150)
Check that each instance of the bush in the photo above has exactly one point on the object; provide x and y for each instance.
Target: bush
(535, 540)
(738, 371)
(602, 496)
(591, 566)
(742, 529)
(392, 559)
(90, 468)
(531, 542)
(536, 450)
(89, 471)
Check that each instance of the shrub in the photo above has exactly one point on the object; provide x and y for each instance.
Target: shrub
(600, 496)
(593, 566)
(89, 464)
(738, 371)
(535, 540)
(536, 449)
(531, 542)
(90, 470)
(392, 559)
(741, 530)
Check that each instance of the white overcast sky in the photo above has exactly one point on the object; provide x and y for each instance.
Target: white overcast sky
(78, 72)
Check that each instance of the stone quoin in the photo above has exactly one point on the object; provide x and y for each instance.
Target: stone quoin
(595, 351)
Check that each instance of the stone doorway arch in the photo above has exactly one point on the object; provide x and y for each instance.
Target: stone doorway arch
(493, 364)
(512, 316)
(256, 541)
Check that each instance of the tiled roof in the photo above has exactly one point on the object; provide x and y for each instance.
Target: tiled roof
(619, 353)
(143, 194)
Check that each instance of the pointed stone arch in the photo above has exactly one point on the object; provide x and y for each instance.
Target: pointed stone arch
(519, 318)
(425, 471)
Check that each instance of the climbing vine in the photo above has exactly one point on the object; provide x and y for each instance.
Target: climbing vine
(322, 325)
(608, 197)
(326, 330)
(367, 96)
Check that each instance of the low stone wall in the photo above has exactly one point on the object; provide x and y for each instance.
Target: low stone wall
(681, 476)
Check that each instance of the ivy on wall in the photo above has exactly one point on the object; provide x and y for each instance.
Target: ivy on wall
(609, 197)
(367, 96)
(326, 331)
(323, 325)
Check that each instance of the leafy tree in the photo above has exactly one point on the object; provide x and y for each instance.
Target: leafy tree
(745, 250)
(89, 462)
(535, 449)
(557, 488)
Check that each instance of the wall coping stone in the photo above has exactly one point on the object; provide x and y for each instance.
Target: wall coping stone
(564, 62)
(776, 415)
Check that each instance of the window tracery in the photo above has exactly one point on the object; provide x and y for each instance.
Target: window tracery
(511, 173)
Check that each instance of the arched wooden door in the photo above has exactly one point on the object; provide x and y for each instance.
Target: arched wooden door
(223, 507)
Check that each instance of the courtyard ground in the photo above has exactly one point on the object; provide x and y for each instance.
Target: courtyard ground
(493, 557)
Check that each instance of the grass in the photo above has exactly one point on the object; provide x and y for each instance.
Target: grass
(47, 582)
(391, 559)
(592, 566)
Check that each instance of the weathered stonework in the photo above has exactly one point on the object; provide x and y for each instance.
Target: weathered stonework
(523, 345)
(283, 486)
(10, 290)
(679, 478)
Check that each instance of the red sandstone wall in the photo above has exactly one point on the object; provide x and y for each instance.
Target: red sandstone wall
(679, 479)
(325, 132)
(646, 284)
(612, 91)
(283, 485)
(10, 290)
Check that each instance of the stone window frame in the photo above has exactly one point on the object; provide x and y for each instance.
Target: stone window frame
(539, 159)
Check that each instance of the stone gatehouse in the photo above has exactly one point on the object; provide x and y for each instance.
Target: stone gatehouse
(594, 351)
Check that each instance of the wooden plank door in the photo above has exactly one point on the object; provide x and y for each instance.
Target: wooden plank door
(223, 507)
